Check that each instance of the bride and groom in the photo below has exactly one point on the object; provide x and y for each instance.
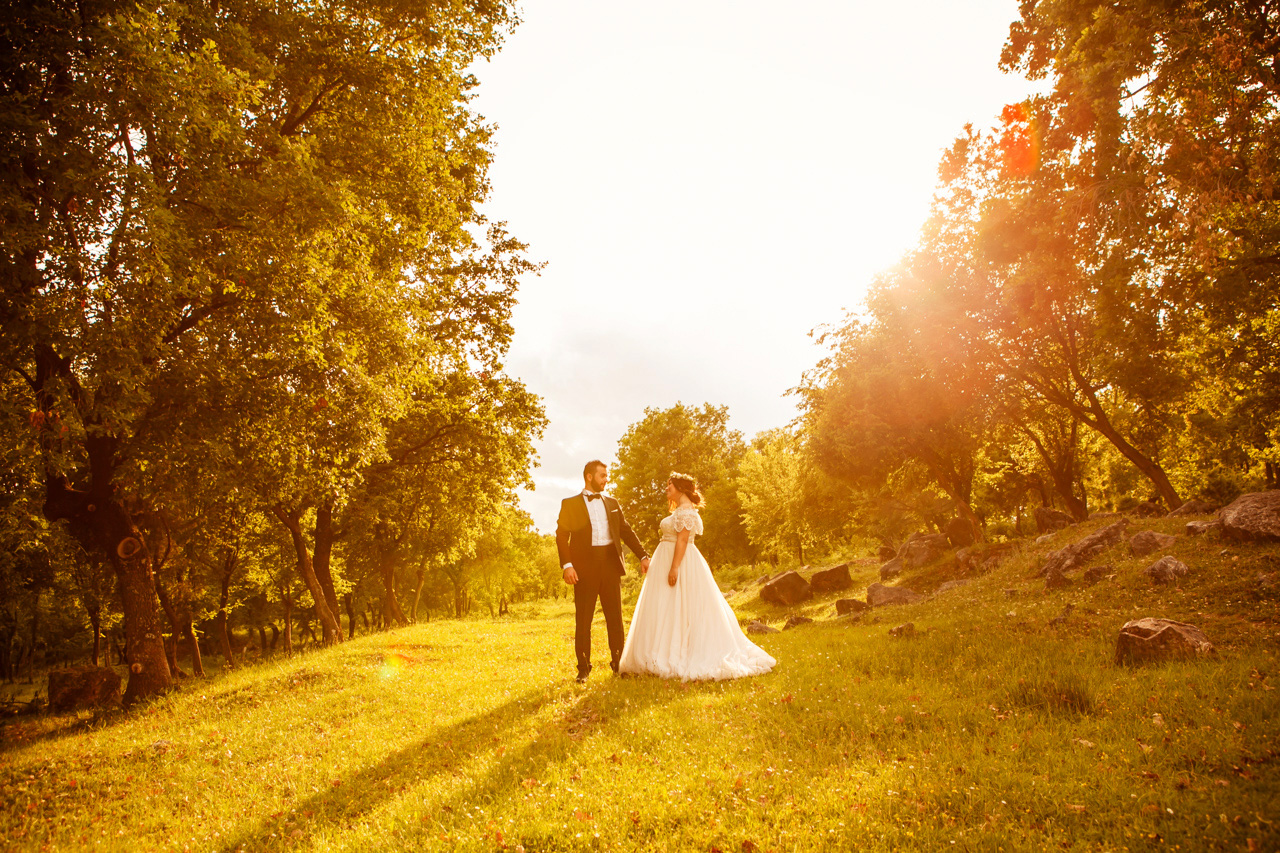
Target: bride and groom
(682, 626)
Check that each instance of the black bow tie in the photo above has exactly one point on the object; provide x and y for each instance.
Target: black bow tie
(591, 497)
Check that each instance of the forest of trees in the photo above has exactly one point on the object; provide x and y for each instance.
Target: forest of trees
(1090, 320)
(253, 328)
(253, 323)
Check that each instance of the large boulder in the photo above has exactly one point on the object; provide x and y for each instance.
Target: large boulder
(832, 579)
(845, 606)
(879, 595)
(1049, 520)
(1193, 507)
(786, 589)
(83, 687)
(1167, 570)
(960, 532)
(758, 627)
(1253, 518)
(891, 569)
(923, 548)
(887, 552)
(1078, 553)
(1149, 639)
(1149, 541)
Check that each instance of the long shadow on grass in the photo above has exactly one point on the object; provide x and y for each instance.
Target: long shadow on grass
(365, 791)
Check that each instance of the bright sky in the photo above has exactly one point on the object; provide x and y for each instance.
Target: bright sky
(708, 181)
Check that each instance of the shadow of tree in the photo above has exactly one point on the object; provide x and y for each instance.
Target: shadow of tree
(366, 790)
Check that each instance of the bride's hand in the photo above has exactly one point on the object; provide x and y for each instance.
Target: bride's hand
(671, 576)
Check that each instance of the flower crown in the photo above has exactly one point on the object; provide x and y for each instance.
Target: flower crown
(676, 475)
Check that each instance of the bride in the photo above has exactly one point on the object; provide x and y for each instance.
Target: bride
(682, 626)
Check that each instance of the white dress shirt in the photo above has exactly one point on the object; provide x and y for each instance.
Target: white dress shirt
(599, 520)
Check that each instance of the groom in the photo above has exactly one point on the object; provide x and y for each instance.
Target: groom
(587, 540)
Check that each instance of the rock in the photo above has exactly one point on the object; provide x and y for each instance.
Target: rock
(832, 579)
(1197, 528)
(1167, 570)
(960, 532)
(1081, 551)
(1149, 639)
(1193, 507)
(1061, 619)
(950, 585)
(1253, 518)
(906, 629)
(793, 621)
(1094, 574)
(758, 627)
(1047, 537)
(763, 579)
(786, 589)
(1105, 514)
(1149, 509)
(82, 687)
(887, 552)
(923, 548)
(845, 606)
(1149, 541)
(879, 595)
(891, 569)
(1049, 519)
(1057, 580)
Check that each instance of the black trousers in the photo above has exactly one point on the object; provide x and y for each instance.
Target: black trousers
(599, 578)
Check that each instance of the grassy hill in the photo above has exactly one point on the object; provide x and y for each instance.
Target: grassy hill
(991, 728)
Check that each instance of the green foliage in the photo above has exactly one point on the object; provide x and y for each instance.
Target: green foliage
(693, 441)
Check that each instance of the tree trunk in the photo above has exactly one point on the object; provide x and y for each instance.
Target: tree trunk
(102, 524)
(275, 635)
(224, 599)
(287, 597)
(95, 620)
(189, 631)
(417, 591)
(349, 601)
(324, 536)
(35, 633)
(291, 519)
(171, 613)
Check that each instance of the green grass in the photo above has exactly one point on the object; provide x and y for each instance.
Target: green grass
(989, 729)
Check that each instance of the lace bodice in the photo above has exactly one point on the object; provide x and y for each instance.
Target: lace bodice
(684, 518)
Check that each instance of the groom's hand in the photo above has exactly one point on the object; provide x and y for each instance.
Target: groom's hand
(570, 575)
(644, 566)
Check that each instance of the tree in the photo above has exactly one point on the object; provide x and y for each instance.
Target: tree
(770, 486)
(689, 440)
(193, 194)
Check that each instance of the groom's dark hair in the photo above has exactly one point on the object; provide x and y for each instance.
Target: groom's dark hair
(591, 466)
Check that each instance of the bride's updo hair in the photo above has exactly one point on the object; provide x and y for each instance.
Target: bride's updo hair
(687, 486)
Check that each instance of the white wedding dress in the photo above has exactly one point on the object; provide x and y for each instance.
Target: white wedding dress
(687, 631)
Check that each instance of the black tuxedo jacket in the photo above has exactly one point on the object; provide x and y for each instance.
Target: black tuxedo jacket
(573, 532)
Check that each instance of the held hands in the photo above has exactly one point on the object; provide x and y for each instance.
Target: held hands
(570, 575)
(644, 566)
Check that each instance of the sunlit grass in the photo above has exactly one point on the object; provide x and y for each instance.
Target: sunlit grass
(990, 728)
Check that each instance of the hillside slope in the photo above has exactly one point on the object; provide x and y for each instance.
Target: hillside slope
(992, 726)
